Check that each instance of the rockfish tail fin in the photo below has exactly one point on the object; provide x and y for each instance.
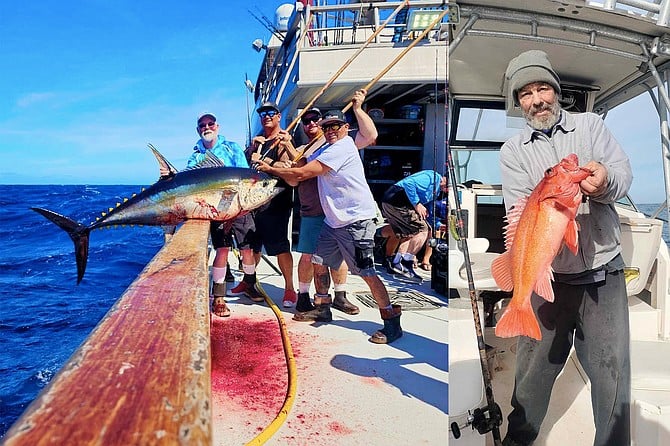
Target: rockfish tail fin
(518, 320)
(77, 232)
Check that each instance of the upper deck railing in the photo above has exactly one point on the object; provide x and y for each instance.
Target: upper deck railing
(331, 24)
(658, 11)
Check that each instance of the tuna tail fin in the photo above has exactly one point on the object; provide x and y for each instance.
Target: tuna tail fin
(518, 321)
(77, 232)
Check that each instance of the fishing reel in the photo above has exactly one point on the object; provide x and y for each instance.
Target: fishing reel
(483, 419)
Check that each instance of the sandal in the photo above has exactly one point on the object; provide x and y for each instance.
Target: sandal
(425, 266)
(219, 307)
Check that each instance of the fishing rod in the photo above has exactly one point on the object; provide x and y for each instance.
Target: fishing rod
(267, 24)
(489, 418)
(248, 84)
(392, 64)
(337, 74)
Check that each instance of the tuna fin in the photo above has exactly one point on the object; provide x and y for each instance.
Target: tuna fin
(518, 321)
(571, 237)
(210, 160)
(543, 286)
(501, 268)
(163, 163)
(77, 232)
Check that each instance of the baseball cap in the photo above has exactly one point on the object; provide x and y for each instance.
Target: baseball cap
(207, 114)
(332, 116)
(268, 105)
(312, 111)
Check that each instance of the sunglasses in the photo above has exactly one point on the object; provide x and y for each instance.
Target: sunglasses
(267, 113)
(202, 125)
(308, 120)
(335, 126)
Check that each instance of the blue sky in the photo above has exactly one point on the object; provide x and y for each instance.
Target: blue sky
(636, 126)
(86, 84)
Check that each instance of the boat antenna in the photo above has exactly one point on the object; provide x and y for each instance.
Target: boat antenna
(267, 24)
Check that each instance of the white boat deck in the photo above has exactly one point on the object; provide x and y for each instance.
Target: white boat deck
(348, 390)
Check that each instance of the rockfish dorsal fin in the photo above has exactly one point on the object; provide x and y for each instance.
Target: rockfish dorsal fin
(512, 218)
(163, 163)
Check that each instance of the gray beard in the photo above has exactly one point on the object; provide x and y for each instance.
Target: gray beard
(210, 137)
(546, 122)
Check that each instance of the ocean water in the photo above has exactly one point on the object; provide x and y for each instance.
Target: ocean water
(44, 314)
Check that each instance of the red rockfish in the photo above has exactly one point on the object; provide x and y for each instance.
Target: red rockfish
(537, 227)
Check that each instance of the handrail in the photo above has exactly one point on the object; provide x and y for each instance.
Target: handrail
(143, 375)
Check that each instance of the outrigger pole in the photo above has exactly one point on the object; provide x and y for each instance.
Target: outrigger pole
(479, 419)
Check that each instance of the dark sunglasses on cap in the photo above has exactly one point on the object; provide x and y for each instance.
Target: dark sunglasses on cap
(334, 126)
(268, 113)
(202, 125)
(306, 120)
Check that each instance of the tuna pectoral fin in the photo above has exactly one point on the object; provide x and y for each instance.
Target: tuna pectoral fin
(501, 269)
(77, 232)
(518, 321)
(570, 237)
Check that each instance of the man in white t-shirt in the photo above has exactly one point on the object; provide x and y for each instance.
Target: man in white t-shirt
(348, 232)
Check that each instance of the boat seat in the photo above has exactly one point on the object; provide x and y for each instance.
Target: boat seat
(640, 240)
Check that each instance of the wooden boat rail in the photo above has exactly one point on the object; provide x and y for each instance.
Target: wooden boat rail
(143, 375)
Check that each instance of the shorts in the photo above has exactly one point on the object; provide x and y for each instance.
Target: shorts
(353, 244)
(272, 231)
(241, 228)
(404, 221)
(310, 228)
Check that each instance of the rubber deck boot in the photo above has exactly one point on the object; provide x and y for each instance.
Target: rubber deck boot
(392, 329)
(304, 303)
(320, 313)
(342, 303)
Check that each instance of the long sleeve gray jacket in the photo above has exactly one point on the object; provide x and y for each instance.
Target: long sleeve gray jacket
(524, 159)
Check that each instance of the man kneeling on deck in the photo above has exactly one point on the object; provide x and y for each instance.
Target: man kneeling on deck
(349, 208)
